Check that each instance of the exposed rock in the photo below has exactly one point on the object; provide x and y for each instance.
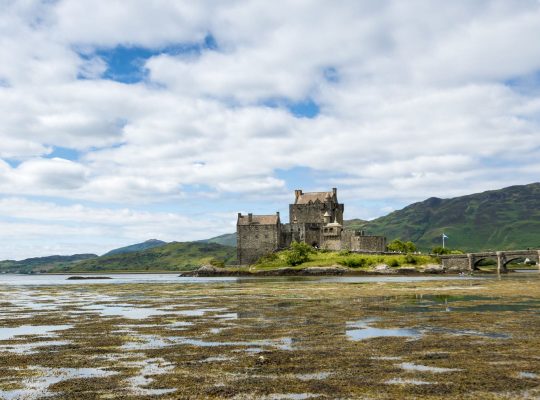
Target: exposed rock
(407, 270)
(207, 270)
(77, 278)
(458, 269)
(286, 271)
(333, 270)
(383, 269)
(434, 269)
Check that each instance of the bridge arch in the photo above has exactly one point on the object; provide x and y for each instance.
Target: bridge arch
(477, 260)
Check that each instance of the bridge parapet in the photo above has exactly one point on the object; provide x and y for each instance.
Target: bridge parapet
(469, 261)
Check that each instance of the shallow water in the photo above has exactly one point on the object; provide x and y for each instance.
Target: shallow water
(26, 330)
(37, 386)
(62, 279)
(362, 330)
(425, 368)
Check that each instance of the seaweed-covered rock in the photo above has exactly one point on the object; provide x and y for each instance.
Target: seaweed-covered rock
(79, 278)
(332, 270)
(406, 270)
(207, 270)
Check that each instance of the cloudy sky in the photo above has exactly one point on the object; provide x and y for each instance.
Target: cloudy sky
(122, 120)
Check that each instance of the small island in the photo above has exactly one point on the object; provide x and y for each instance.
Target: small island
(80, 278)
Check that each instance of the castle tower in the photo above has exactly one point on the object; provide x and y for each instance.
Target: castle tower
(257, 235)
(310, 207)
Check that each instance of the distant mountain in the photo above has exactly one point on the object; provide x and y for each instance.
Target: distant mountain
(227, 239)
(354, 224)
(42, 264)
(502, 219)
(173, 256)
(149, 244)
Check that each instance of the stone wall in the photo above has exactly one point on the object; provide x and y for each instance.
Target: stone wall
(346, 240)
(332, 243)
(313, 234)
(455, 262)
(254, 241)
(368, 243)
(314, 212)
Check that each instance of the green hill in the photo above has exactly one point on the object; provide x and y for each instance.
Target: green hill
(173, 256)
(354, 224)
(149, 244)
(502, 219)
(227, 239)
(42, 264)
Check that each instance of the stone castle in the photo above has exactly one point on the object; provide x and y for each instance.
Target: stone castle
(315, 218)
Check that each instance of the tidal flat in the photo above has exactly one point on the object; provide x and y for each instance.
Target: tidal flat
(272, 339)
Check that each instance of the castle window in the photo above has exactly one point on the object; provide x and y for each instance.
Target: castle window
(256, 236)
(266, 236)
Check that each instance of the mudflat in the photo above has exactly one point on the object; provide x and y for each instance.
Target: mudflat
(281, 338)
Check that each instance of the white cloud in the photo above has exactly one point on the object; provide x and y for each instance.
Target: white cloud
(418, 103)
(66, 228)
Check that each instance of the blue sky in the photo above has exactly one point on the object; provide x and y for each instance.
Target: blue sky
(123, 122)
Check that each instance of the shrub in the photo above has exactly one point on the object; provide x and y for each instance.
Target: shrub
(298, 253)
(410, 259)
(443, 250)
(353, 262)
(344, 253)
(267, 258)
(402, 247)
(393, 263)
(217, 263)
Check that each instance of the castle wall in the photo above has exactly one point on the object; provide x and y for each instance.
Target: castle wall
(314, 212)
(333, 243)
(313, 234)
(255, 241)
(346, 240)
(368, 243)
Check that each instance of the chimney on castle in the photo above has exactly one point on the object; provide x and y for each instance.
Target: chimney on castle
(250, 218)
(239, 215)
(334, 191)
(297, 193)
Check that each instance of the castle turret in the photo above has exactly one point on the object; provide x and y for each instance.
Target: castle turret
(326, 218)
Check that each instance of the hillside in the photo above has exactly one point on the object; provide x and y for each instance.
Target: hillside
(227, 239)
(42, 264)
(149, 244)
(354, 224)
(173, 256)
(502, 219)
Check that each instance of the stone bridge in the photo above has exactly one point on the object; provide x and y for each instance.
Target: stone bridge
(469, 262)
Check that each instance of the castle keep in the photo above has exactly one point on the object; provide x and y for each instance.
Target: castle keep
(315, 218)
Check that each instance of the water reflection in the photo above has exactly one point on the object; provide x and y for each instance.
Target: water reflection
(362, 330)
(25, 330)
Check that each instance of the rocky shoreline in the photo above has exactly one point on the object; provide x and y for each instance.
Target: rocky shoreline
(335, 270)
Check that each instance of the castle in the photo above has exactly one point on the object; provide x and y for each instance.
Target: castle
(315, 218)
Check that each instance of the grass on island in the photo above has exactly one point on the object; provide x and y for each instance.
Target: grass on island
(323, 258)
